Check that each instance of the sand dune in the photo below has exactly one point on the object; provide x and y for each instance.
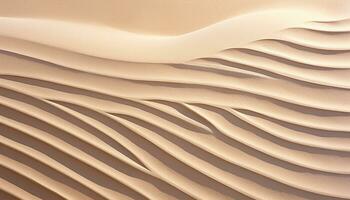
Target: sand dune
(245, 101)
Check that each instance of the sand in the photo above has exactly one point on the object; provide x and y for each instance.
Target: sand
(198, 99)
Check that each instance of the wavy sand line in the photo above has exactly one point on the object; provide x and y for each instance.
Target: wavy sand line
(255, 106)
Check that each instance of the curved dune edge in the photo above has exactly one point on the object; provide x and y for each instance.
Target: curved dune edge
(256, 112)
(121, 45)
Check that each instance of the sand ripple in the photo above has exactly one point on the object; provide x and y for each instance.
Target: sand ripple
(256, 112)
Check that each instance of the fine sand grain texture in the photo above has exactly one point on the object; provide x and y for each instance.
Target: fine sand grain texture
(175, 99)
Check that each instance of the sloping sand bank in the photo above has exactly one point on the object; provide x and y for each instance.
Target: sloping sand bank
(175, 100)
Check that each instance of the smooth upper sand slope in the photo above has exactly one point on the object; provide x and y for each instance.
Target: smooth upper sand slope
(121, 43)
(161, 17)
(175, 99)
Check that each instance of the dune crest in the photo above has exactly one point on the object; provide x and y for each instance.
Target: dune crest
(252, 103)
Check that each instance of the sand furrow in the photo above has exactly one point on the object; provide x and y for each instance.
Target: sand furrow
(317, 39)
(85, 165)
(228, 178)
(227, 123)
(210, 81)
(329, 26)
(288, 70)
(331, 120)
(301, 54)
(11, 191)
(323, 139)
(229, 99)
(171, 140)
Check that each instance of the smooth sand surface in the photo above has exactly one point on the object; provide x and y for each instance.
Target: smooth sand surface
(198, 99)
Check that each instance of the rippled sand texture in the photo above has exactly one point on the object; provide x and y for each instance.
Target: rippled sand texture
(166, 100)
